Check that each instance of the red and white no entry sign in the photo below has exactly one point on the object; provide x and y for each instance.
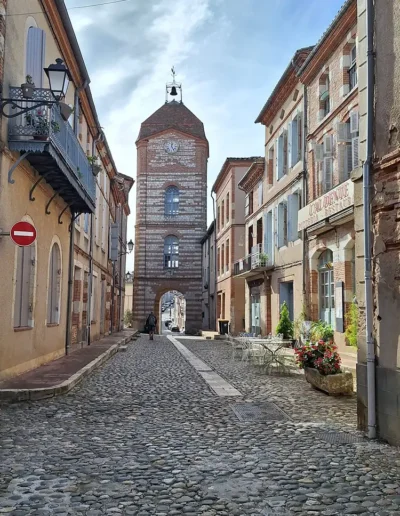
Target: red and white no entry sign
(23, 233)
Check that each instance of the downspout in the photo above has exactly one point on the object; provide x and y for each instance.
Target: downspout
(367, 226)
(112, 297)
(70, 283)
(121, 276)
(305, 189)
(215, 261)
(90, 285)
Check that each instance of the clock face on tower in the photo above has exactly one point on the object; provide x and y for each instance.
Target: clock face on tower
(171, 147)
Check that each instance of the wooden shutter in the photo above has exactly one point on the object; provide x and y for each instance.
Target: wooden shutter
(327, 171)
(355, 144)
(295, 142)
(35, 55)
(342, 162)
(289, 144)
(328, 145)
(285, 152)
(268, 236)
(342, 132)
(299, 136)
(260, 193)
(281, 225)
(246, 208)
(50, 291)
(292, 215)
(354, 122)
(277, 158)
(319, 152)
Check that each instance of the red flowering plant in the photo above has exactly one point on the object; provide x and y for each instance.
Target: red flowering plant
(322, 356)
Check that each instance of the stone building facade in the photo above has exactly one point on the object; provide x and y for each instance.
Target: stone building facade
(230, 241)
(385, 209)
(172, 153)
(330, 76)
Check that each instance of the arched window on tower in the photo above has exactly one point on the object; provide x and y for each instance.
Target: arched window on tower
(171, 200)
(171, 252)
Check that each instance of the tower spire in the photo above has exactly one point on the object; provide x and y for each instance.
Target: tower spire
(172, 88)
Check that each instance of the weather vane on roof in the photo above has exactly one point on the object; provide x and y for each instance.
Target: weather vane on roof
(173, 87)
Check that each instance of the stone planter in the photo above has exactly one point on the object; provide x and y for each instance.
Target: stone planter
(334, 384)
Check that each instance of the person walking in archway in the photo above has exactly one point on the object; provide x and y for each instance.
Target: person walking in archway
(151, 324)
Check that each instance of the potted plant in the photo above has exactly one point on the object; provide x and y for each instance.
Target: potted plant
(41, 124)
(321, 330)
(96, 167)
(28, 87)
(263, 259)
(352, 325)
(321, 364)
(285, 325)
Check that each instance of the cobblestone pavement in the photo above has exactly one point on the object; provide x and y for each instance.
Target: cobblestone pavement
(146, 436)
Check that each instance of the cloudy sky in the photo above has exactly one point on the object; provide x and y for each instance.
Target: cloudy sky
(228, 54)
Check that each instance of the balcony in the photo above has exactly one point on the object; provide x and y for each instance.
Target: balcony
(253, 264)
(52, 148)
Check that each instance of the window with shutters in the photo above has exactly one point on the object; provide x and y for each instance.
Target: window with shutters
(227, 207)
(324, 95)
(93, 303)
(35, 55)
(219, 219)
(227, 260)
(270, 166)
(282, 224)
(260, 194)
(54, 287)
(86, 222)
(218, 261)
(293, 206)
(24, 287)
(223, 214)
(223, 259)
(171, 201)
(353, 79)
(327, 174)
(268, 236)
(171, 252)
(248, 205)
(280, 145)
(295, 141)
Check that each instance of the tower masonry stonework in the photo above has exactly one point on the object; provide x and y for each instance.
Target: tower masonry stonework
(171, 212)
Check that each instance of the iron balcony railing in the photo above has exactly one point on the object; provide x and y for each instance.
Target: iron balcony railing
(257, 260)
(46, 125)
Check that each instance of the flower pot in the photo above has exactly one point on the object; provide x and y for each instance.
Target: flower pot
(333, 384)
(27, 90)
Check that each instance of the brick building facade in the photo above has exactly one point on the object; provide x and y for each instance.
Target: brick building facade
(171, 211)
(330, 76)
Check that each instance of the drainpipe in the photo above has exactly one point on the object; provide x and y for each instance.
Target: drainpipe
(121, 276)
(215, 260)
(305, 189)
(367, 226)
(112, 297)
(70, 283)
(90, 285)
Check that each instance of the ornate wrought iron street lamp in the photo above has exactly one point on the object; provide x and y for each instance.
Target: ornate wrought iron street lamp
(59, 78)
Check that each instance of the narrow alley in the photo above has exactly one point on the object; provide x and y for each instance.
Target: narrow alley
(146, 435)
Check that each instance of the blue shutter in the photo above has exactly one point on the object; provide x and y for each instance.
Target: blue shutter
(294, 143)
(86, 223)
(35, 55)
(268, 236)
(293, 210)
(281, 225)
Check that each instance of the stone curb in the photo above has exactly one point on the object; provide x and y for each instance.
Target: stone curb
(41, 393)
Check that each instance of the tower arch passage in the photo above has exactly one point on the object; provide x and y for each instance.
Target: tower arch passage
(172, 153)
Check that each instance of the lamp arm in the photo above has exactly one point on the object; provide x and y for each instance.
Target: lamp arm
(14, 105)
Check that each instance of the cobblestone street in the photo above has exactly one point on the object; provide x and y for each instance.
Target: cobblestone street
(145, 435)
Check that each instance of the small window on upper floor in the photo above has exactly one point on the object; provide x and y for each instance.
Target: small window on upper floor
(171, 252)
(248, 207)
(353, 79)
(325, 104)
(171, 201)
(347, 146)
(227, 207)
(223, 214)
(35, 55)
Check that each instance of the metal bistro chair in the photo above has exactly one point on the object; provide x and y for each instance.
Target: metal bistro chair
(275, 360)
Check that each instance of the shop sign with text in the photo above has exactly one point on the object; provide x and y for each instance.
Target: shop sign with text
(334, 201)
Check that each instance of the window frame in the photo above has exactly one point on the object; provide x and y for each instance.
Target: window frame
(171, 252)
(171, 201)
(54, 286)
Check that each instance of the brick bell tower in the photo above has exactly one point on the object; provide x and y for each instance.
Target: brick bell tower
(171, 209)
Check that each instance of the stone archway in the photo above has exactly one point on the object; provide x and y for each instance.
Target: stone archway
(175, 308)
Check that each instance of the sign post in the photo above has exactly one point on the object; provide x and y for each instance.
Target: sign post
(23, 234)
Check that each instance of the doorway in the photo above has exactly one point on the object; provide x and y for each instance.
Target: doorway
(326, 288)
(255, 310)
(286, 296)
(172, 313)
